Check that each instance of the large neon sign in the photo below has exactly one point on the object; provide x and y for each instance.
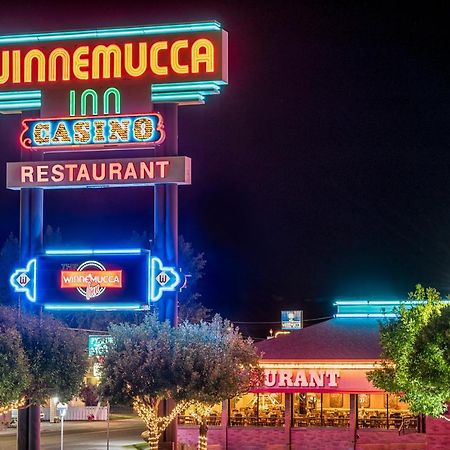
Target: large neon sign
(194, 52)
(92, 132)
(95, 279)
(146, 59)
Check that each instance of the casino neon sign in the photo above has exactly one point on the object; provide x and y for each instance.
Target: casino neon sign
(93, 131)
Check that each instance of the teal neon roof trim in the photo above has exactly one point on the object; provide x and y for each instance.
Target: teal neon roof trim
(195, 85)
(19, 105)
(190, 27)
(20, 95)
(381, 302)
(374, 308)
(364, 316)
(178, 97)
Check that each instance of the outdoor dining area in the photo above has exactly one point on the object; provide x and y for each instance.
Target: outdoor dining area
(379, 411)
(333, 410)
(257, 410)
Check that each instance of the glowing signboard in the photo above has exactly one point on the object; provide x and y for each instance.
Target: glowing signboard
(180, 63)
(98, 173)
(291, 320)
(97, 344)
(74, 133)
(174, 57)
(95, 279)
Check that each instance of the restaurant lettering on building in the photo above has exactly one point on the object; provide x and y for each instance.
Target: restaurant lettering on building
(316, 395)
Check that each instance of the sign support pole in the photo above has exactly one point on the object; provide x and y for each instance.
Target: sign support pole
(166, 239)
(31, 243)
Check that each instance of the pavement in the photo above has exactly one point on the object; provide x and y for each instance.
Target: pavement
(80, 435)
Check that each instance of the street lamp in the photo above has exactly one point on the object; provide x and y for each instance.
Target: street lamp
(62, 411)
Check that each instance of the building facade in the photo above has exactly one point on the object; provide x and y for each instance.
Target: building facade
(316, 395)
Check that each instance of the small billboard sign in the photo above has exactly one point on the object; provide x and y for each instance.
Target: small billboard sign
(291, 320)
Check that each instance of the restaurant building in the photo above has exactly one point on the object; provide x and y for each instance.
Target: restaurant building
(316, 394)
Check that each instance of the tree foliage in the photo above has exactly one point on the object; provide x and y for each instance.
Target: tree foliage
(138, 369)
(55, 356)
(15, 376)
(89, 395)
(194, 363)
(215, 359)
(9, 261)
(416, 354)
(9, 258)
(218, 363)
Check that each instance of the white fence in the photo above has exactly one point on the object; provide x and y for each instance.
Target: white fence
(81, 413)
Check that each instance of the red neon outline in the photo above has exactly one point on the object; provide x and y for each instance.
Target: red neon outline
(106, 146)
(24, 142)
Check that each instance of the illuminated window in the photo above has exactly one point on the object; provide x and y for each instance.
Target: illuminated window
(265, 410)
(188, 417)
(316, 410)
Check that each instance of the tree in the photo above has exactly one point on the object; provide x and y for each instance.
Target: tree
(15, 377)
(193, 364)
(218, 363)
(55, 355)
(416, 354)
(52, 237)
(89, 395)
(139, 369)
(9, 259)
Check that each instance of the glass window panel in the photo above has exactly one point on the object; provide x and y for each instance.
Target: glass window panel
(187, 418)
(257, 410)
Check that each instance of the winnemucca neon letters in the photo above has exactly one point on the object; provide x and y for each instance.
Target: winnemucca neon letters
(167, 57)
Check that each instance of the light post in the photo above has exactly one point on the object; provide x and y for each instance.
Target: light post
(62, 411)
(107, 429)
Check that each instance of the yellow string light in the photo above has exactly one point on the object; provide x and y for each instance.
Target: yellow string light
(147, 410)
(14, 405)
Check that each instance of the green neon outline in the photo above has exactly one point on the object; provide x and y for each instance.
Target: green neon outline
(117, 100)
(72, 103)
(94, 102)
(190, 27)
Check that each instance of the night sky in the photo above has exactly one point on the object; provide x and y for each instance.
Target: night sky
(321, 171)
